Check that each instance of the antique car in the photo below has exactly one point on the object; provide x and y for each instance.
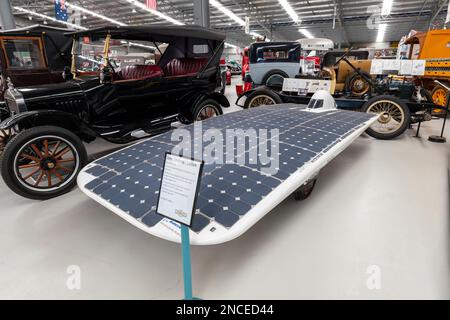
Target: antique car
(400, 103)
(271, 62)
(101, 97)
(33, 55)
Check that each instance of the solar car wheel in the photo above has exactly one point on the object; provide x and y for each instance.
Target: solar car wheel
(305, 190)
(54, 157)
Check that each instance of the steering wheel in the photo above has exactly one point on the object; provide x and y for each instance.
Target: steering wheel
(343, 56)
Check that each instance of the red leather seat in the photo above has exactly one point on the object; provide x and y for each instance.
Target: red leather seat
(140, 71)
(183, 67)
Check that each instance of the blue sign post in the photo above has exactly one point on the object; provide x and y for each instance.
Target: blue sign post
(186, 255)
(176, 200)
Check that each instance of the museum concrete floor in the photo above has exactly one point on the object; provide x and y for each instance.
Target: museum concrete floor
(375, 227)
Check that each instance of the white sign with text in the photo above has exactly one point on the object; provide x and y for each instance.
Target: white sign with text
(178, 191)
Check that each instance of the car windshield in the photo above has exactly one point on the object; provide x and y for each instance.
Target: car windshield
(89, 53)
(23, 53)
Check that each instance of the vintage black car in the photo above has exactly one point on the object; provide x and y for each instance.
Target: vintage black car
(30, 56)
(124, 82)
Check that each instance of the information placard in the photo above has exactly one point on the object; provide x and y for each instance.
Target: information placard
(376, 66)
(418, 67)
(179, 186)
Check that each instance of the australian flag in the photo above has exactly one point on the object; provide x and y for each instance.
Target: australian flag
(61, 10)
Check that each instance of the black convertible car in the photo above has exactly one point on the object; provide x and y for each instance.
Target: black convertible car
(124, 83)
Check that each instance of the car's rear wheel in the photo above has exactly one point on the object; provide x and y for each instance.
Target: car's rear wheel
(261, 97)
(274, 79)
(42, 162)
(394, 117)
(206, 109)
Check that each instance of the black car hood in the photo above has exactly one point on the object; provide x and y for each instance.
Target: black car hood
(72, 87)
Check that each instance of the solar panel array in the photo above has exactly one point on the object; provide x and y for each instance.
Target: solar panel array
(130, 178)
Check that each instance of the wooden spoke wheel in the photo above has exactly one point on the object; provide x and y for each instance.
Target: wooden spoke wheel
(43, 162)
(207, 109)
(5, 137)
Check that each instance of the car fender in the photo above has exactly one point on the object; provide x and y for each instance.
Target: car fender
(62, 119)
(219, 97)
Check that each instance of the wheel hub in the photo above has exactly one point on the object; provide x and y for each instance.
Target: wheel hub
(385, 117)
(48, 163)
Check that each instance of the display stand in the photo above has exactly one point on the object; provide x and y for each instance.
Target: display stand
(176, 200)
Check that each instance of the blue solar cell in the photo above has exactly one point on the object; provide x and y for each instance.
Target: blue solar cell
(239, 207)
(199, 222)
(211, 209)
(226, 218)
(97, 170)
(151, 219)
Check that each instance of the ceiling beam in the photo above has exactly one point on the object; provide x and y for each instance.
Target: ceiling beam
(439, 6)
(339, 16)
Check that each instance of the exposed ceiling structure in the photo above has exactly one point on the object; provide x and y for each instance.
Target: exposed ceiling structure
(344, 21)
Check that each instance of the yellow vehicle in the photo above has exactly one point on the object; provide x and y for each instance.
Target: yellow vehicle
(434, 47)
(343, 76)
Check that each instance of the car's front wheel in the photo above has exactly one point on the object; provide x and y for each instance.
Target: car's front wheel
(42, 162)
(206, 109)
(393, 117)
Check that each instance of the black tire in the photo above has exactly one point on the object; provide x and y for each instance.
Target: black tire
(400, 114)
(206, 109)
(49, 168)
(262, 97)
(274, 74)
(351, 82)
(305, 190)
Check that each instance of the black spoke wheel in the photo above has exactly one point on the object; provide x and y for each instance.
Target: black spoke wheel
(305, 190)
(206, 109)
(42, 162)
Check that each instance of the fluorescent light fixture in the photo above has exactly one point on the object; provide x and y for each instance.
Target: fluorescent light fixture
(381, 32)
(227, 12)
(45, 17)
(287, 7)
(387, 7)
(94, 14)
(161, 15)
(306, 33)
